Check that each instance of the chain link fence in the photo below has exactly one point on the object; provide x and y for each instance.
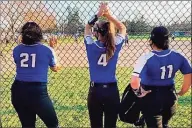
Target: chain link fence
(65, 20)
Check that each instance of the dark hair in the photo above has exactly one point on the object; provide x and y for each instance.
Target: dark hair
(107, 30)
(160, 37)
(31, 33)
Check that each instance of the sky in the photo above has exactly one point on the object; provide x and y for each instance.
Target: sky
(154, 12)
(164, 11)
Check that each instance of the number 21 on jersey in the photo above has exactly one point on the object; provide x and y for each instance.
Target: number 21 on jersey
(102, 60)
(26, 58)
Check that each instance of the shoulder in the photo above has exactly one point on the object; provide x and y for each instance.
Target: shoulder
(46, 47)
(177, 53)
(146, 56)
(181, 56)
(143, 59)
(17, 47)
(88, 39)
(119, 39)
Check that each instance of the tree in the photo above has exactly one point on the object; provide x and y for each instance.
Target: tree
(16, 13)
(73, 21)
(138, 26)
(42, 17)
(180, 26)
(12, 15)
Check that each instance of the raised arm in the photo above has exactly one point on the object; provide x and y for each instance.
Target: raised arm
(92, 21)
(118, 24)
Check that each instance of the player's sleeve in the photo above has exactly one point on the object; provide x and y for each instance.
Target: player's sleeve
(14, 55)
(88, 40)
(119, 39)
(140, 66)
(53, 59)
(185, 66)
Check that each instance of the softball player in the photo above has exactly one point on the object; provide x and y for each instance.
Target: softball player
(103, 97)
(29, 90)
(157, 71)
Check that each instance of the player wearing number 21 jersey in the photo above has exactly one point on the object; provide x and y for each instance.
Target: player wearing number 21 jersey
(29, 93)
(33, 61)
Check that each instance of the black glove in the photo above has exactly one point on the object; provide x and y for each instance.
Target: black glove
(140, 92)
(92, 21)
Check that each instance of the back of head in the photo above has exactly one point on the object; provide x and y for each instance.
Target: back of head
(31, 33)
(160, 37)
(107, 31)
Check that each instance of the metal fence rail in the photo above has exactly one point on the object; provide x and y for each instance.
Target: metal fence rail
(69, 87)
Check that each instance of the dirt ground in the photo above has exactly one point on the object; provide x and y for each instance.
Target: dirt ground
(74, 55)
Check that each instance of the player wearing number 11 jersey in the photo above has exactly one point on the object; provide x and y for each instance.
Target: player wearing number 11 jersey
(157, 71)
(102, 55)
(29, 90)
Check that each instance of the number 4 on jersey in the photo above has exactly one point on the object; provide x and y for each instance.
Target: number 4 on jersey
(102, 60)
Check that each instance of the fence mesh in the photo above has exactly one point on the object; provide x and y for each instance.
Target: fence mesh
(65, 20)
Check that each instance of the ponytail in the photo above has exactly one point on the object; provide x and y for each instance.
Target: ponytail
(109, 40)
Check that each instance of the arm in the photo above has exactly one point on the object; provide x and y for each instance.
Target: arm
(186, 84)
(135, 82)
(139, 70)
(92, 21)
(186, 70)
(119, 25)
(53, 64)
(87, 30)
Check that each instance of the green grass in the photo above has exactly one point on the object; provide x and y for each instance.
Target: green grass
(68, 90)
(146, 37)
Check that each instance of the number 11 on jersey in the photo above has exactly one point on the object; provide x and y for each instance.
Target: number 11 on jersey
(170, 67)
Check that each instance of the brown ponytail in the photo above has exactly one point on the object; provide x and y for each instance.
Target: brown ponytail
(109, 39)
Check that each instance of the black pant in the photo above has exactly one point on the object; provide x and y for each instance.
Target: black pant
(159, 106)
(103, 98)
(30, 99)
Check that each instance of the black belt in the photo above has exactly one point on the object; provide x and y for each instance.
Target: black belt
(30, 83)
(159, 88)
(104, 85)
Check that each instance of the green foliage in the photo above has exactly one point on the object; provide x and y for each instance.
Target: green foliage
(74, 23)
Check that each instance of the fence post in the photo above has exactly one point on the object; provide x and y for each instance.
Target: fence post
(1, 55)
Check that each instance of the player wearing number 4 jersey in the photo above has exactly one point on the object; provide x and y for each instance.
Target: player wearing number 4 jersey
(29, 90)
(103, 97)
(157, 70)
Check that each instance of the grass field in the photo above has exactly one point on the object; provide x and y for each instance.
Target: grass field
(68, 90)
(147, 37)
(69, 87)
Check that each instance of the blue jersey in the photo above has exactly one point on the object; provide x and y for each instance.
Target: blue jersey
(102, 71)
(158, 68)
(33, 61)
